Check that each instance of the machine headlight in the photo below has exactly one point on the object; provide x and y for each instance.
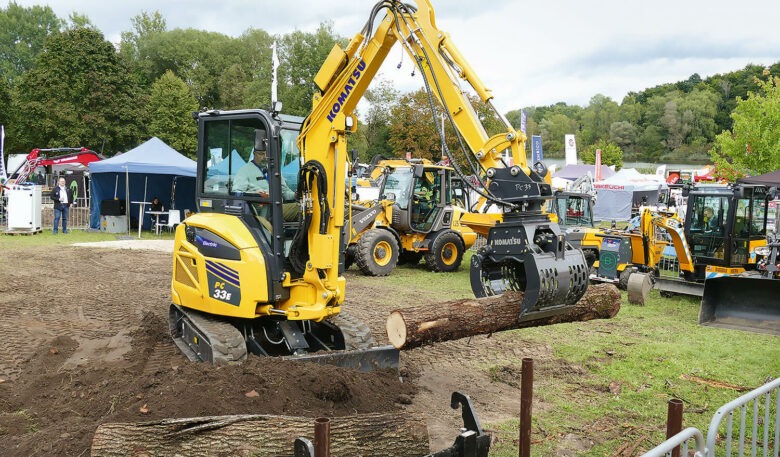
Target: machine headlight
(763, 251)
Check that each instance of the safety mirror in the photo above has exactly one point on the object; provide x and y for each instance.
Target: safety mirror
(261, 138)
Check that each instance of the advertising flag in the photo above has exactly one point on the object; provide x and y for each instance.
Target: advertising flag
(536, 149)
(598, 165)
(571, 149)
(523, 121)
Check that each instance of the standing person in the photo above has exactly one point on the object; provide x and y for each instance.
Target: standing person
(63, 198)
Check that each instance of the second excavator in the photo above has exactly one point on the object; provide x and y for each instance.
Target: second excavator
(260, 267)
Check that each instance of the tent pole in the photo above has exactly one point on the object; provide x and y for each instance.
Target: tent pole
(127, 198)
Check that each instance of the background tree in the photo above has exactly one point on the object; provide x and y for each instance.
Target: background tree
(382, 97)
(752, 146)
(597, 118)
(302, 55)
(79, 94)
(554, 130)
(247, 83)
(23, 32)
(171, 104)
(611, 154)
(413, 128)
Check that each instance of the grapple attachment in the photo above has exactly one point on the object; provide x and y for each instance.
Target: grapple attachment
(535, 258)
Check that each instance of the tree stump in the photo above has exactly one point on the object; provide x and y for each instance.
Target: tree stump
(262, 435)
(415, 326)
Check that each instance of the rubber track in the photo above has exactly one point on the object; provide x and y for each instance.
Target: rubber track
(226, 341)
(357, 335)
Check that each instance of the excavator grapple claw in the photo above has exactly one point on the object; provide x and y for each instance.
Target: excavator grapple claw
(552, 279)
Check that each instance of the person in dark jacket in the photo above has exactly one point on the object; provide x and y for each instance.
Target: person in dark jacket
(63, 199)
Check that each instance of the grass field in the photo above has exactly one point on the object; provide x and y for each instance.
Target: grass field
(613, 378)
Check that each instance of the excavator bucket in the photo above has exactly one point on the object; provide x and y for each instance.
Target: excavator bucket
(750, 303)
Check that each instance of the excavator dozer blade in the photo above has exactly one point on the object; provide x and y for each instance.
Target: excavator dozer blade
(743, 303)
(375, 358)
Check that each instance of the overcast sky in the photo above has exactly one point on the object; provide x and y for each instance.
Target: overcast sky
(527, 52)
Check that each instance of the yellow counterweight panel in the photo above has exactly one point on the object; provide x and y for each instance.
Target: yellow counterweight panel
(214, 285)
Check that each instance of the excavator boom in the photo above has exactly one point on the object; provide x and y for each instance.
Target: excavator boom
(526, 250)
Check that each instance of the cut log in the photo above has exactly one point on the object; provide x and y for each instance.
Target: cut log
(415, 326)
(262, 435)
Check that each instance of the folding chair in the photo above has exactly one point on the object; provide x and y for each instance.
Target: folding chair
(174, 219)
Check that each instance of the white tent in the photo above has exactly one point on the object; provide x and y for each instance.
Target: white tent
(626, 189)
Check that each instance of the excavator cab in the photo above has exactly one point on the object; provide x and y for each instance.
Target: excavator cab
(728, 236)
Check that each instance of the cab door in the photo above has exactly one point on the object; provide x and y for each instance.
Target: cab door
(709, 229)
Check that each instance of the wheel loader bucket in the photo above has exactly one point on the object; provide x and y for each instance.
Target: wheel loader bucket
(743, 303)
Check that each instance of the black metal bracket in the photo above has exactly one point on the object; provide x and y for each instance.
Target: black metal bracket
(472, 441)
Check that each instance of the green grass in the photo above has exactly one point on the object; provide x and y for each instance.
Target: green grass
(648, 354)
(633, 364)
(47, 238)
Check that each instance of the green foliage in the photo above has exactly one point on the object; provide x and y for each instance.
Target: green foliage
(383, 97)
(170, 107)
(79, 94)
(611, 154)
(413, 128)
(23, 32)
(554, 130)
(753, 144)
(302, 55)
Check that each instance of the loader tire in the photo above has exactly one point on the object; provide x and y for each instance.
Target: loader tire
(356, 333)
(377, 253)
(349, 256)
(409, 258)
(446, 253)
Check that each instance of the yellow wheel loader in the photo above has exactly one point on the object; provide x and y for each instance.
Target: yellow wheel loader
(259, 268)
(414, 218)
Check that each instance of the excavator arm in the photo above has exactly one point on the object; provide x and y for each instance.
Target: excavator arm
(525, 250)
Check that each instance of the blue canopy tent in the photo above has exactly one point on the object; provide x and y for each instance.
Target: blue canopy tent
(152, 169)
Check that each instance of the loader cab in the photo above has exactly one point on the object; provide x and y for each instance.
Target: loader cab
(420, 193)
(248, 163)
(723, 224)
(573, 209)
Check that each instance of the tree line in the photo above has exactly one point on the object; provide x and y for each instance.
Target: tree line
(62, 84)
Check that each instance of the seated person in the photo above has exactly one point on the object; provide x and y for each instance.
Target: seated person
(252, 178)
(710, 221)
(157, 205)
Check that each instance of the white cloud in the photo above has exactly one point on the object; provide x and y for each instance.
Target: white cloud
(528, 53)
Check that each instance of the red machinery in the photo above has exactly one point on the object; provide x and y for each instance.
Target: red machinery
(38, 158)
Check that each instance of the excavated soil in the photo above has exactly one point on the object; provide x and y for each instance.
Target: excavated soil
(85, 342)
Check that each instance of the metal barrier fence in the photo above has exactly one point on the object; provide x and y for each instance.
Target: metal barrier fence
(760, 430)
(680, 439)
(78, 217)
(763, 433)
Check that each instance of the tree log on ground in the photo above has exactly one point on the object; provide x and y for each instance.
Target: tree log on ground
(262, 435)
(415, 326)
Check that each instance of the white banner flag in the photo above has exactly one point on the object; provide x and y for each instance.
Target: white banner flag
(3, 175)
(275, 66)
(571, 150)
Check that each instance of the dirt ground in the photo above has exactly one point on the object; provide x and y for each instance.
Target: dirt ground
(85, 342)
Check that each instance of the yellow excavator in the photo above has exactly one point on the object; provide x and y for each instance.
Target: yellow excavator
(252, 273)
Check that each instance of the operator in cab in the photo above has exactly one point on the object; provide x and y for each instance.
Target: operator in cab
(252, 178)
